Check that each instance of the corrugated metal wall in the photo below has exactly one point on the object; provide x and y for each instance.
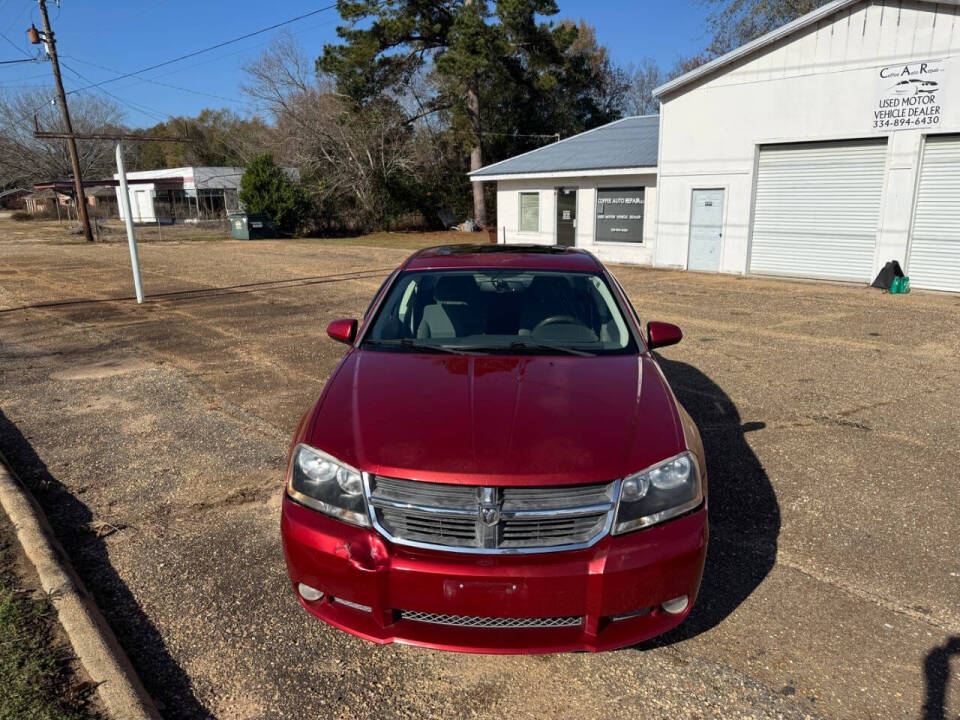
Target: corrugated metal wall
(934, 261)
(817, 209)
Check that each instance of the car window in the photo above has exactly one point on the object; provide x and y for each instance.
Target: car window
(500, 311)
(377, 293)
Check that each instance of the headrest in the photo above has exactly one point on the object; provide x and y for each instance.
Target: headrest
(549, 286)
(455, 288)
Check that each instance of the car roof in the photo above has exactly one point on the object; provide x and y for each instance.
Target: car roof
(529, 257)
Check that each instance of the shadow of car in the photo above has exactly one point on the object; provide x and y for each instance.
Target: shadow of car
(743, 509)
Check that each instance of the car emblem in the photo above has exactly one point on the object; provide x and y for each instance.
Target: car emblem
(490, 515)
(488, 506)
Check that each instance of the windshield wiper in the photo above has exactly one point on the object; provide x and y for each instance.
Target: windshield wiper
(533, 345)
(414, 345)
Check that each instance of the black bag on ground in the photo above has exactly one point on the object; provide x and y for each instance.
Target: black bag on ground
(885, 277)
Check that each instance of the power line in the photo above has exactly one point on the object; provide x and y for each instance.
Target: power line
(158, 82)
(14, 62)
(233, 53)
(17, 17)
(15, 46)
(555, 136)
(34, 77)
(142, 109)
(208, 49)
(92, 85)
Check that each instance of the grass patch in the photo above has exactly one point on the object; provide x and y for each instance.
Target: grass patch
(37, 679)
(52, 232)
(404, 240)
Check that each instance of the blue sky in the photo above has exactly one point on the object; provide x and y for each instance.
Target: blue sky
(102, 38)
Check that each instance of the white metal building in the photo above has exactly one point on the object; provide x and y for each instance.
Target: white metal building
(182, 194)
(823, 150)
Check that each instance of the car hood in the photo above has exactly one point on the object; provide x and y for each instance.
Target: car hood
(488, 419)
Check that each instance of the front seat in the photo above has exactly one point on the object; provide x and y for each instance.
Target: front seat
(454, 312)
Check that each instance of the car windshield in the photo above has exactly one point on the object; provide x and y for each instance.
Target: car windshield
(500, 311)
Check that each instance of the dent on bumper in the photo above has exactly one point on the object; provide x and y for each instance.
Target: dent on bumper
(617, 576)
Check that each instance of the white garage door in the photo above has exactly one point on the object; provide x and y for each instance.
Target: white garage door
(817, 209)
(934, 261)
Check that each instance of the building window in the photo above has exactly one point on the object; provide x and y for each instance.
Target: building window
(620, 215)
(529, 212)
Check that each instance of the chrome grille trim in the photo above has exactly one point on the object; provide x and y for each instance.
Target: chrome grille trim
(530, 520)
(475, 621)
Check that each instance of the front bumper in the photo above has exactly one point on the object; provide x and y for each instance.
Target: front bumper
(620, 575)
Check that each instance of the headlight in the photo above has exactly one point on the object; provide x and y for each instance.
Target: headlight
(658, 493)
(323, 483)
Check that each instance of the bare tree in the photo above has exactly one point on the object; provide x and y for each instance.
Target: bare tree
(735, 22)
(25, 161)
(644, 78)
(344, 152)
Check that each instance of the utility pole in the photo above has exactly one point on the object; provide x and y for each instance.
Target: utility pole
(68, 126)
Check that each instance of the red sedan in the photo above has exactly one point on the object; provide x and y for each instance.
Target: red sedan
(498, 463)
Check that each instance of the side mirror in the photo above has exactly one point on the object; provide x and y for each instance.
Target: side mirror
(343, 330)
(661, 334)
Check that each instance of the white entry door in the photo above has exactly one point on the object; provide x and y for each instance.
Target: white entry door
(706, 230)
(144, 207)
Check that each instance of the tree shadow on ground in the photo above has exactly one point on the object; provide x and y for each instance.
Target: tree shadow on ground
(936, 668)
(71, 520)
(743, 509)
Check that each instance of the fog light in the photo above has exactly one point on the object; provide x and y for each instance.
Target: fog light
(677, 605)
(308, 593)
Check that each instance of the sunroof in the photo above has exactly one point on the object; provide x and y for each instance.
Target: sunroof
(495, 249)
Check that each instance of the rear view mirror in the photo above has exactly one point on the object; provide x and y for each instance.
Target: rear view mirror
(661, 334)
(343, 330)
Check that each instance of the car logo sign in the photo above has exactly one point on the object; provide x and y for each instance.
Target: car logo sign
(488, 506)
(490, 515)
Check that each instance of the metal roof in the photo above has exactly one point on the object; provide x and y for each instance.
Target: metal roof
(102, 191)
(763, 41)
(627, 143)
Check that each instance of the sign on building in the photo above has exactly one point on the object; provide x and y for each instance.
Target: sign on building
(911, 95)
(620, 215)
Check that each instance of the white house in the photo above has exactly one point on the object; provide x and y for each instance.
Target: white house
(823, 149)
(596, 190)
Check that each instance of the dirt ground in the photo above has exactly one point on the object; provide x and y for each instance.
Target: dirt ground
(155, 436)
(40, 677)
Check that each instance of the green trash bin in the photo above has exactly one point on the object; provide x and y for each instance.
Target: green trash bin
(900, 286)
(255, 226)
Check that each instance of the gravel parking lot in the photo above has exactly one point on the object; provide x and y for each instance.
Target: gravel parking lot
(154, 437)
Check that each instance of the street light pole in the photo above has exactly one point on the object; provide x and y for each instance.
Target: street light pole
(68, 126)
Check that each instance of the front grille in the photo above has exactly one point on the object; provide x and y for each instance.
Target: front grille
(430, 527)
(533, 533)
(475, 621)
(490, 519)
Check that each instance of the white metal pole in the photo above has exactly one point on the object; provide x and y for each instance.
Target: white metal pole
(128, 217)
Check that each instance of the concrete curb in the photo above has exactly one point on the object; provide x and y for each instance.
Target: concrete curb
(118, 686)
